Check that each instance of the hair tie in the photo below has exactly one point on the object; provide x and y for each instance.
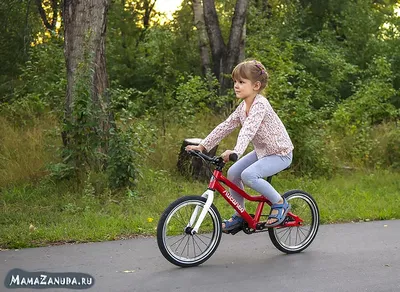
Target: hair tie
(259, 66)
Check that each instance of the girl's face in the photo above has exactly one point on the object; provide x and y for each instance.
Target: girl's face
(245, 88)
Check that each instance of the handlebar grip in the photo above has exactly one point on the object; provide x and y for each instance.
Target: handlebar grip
(233, 157)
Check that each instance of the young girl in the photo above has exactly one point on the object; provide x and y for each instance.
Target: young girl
(261, 126)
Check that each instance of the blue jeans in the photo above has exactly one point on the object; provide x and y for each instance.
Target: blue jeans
(251, 171)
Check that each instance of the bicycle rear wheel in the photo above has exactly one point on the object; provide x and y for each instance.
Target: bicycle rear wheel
(294, 239)
(174, 237)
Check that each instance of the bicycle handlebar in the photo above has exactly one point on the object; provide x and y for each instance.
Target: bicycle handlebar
(216, 159)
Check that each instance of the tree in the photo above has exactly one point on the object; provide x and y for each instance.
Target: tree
(86, 108)
(50, 25)
(224, 57)
(201, 28)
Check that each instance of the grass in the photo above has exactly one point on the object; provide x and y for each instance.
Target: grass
(36, 211)
(25, 151)
(47, 213)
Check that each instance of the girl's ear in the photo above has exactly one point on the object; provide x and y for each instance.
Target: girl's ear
(257, 85)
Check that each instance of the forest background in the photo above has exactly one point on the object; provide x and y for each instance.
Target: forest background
(79, 163)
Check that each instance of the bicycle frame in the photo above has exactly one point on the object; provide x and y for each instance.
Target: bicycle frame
(215, 185)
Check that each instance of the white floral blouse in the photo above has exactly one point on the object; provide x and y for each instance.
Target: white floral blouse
(262, 127)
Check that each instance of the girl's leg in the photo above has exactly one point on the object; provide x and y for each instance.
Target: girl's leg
(235, 172)
(254, 175)
(234, 175)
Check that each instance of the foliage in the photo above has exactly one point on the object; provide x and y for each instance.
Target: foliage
(84, 142)
(329, 77)
(44, 75)
(19, 24)
(120, 166)
(193, 96)
(368, 106)
(40, 87)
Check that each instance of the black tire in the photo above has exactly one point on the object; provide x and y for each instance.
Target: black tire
(295, 239)
(177, 245)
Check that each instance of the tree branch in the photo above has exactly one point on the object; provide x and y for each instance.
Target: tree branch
(54, 6)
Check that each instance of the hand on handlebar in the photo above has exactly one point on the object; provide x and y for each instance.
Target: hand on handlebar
(195, 147)
(226, 156)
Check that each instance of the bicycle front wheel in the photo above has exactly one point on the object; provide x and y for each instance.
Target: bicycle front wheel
(174, 237)
(293, 239)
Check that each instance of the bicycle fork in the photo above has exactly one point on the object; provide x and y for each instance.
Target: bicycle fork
(209, 194)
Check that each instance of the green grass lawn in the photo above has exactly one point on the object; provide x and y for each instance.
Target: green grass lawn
(49, 213)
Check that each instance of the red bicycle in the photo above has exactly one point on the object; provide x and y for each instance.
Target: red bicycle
(189, 230)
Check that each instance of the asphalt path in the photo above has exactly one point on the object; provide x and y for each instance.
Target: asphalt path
(344, 257)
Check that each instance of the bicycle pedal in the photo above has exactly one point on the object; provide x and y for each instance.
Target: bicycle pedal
(261, 226)
(233, 231)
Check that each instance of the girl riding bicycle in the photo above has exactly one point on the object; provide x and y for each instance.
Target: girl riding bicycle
(260, 125)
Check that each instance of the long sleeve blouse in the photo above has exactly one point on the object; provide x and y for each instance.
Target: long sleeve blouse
(261, 126)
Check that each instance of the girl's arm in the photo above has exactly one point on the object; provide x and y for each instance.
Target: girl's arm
(222, 130)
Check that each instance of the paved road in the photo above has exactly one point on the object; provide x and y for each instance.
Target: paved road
(344, 257)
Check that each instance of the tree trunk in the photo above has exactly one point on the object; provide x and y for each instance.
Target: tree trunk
(217, 44)
(242, 54)
(84, 49)
(148, 8)
(234, 44)
(201, 28)
(225, 57)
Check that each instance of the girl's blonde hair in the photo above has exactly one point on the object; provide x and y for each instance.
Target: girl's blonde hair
(252, 70)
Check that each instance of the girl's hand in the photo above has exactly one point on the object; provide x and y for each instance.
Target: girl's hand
(195, 147)
(225, 155)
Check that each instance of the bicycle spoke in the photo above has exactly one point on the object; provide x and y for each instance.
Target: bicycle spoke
(201, 250)
(201, 240)
(288, 234)
(297, 235)
(194, 247)
(179, 219)
(301, 230)
(180, 243)
(282, 230)
(183, 250)
(200, 234)
(179, 240)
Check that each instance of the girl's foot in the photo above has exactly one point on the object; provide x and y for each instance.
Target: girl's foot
(234, 222)
(278, 213)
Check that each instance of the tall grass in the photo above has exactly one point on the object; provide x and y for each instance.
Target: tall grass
(25, 151)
